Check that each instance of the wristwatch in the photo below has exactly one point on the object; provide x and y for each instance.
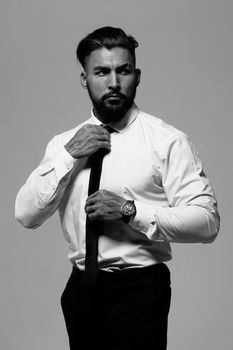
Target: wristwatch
(128, 210)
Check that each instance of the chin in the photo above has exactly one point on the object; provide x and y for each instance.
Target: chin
(113, 114)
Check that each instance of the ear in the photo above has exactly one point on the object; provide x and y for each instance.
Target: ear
(138, 76)
(83, 80)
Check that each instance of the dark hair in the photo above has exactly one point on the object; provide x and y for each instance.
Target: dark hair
(107, 37)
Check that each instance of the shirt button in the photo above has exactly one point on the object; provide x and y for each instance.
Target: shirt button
(53, 186)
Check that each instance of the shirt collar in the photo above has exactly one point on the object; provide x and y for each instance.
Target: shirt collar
(124, 123)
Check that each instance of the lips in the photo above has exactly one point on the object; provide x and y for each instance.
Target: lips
(114, 96)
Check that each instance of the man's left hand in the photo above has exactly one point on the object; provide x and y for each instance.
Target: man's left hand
(104, 205)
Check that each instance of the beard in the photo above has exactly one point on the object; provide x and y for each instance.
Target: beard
(109, 110)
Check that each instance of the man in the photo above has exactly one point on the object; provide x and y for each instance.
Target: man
(152, 192)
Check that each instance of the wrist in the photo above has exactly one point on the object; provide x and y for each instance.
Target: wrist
(128, 211)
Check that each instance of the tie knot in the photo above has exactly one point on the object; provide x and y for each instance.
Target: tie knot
(109, 128)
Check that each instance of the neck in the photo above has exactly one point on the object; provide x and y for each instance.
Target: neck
(119, 124)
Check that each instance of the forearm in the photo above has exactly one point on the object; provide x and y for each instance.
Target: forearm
(33, 206)
(40, 196)
(190, 224)
(27, 211)
(183, 224)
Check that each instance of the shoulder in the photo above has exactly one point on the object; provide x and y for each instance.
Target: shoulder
(156, 129)
(157, 124)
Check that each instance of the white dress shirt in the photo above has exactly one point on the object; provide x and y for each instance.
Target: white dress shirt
(150, 162)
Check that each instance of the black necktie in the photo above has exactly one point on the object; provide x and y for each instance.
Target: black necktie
(93, 227)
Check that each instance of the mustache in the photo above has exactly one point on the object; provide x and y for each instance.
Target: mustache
(113, 94)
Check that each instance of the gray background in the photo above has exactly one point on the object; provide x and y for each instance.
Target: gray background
(186, 58)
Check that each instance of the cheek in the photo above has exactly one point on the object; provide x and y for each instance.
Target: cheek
(96, 89)
(98, 83)
(129, 86)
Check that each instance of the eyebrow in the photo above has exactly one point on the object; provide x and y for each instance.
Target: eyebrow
(125, 65)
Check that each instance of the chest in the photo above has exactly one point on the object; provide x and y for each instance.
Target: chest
(132, 169)
(132, 165)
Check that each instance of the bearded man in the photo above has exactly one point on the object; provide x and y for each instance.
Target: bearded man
(126, 185)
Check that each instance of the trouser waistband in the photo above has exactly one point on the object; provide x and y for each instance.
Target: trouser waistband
(124, 275)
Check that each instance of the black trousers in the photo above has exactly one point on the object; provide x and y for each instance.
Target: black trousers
(125, 310)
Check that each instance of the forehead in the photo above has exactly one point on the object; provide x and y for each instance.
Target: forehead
(103, 57)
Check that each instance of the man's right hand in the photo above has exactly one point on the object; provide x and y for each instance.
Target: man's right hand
(87, 140)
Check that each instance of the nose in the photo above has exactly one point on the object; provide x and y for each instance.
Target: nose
(114, 82)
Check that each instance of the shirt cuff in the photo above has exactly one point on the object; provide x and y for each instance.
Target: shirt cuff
(62, 164)
(50, 175)
(144, 220)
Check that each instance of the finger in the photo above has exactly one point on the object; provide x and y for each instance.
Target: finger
(104, 130)
(91, 205)
(104, 144)
(96, 214)
(103, 136)
(95, 146)
(96, 130)
(91, 201)
(97, 133)
(98, 195)
(89, 209)
(93, 216)
(98, 145)
(93, 195)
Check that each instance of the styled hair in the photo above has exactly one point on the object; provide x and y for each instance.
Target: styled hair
(105, 37)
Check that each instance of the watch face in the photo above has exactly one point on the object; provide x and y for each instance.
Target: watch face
(128, 209)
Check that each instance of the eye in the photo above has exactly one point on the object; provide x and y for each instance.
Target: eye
(102, 72)
(125, 71)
